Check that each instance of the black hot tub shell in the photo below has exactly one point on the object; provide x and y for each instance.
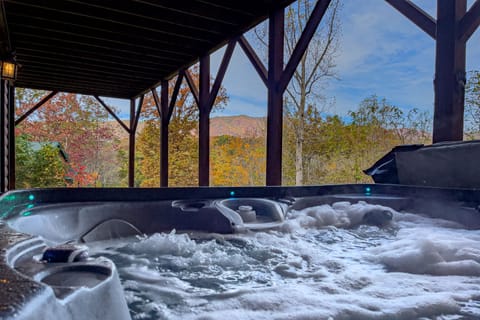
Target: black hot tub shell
(34, 220)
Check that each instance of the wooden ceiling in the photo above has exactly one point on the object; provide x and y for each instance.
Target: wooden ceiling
(118, 48)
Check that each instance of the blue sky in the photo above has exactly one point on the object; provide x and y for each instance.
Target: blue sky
(381, 53)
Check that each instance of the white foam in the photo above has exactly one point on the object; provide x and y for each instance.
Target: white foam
(340, 214)
(321, 264)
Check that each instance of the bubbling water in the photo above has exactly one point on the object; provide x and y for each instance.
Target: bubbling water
(322, 263)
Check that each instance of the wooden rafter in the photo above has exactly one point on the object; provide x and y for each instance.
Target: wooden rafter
(254, 59)
(221, 72)
(302, 45)
(137, 115)
(156, 99)
(34, 108)
(192, 86)
(469, 22)
(176, 89)
(418, 16)
(110, 111)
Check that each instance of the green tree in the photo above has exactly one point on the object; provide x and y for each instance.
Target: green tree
(23, 160)
(238, 161)
(50, 170)
(42, 168)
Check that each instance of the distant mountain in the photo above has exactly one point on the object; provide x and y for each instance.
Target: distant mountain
(238, 126)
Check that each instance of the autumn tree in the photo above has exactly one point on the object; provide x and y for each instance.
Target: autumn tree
(340, 149)
(183, 144)
(238, 161)
(79, 124)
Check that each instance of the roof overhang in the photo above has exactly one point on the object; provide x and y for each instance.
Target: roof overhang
(118, 48)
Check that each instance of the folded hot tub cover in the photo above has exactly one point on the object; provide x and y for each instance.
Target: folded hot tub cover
(445, 164)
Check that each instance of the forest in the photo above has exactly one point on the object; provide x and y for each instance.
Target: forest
(336, 150)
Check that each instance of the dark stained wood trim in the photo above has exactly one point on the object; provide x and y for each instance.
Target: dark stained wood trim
(419, 17)
(131, 146)
(137, 116)
(470, 22)
(275, 98)
(35, 107)
(221, 72)
(309, 31)
(192, 86)
(164, 106)
(176, 89)
(110, 111)
(156, 99)
(204, 122)
(254, 59)
(449, 73)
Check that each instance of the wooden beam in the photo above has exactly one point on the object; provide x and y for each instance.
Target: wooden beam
(221, 72)
(254, 59)
(156, 99)
(309, 31)
(449, 73)
(204, 122)
(38, 105)
(192, 86)
(11, 137)
(418, 16)
(3, 136)
(275, 98)
(137, 116)
(110, 111)
(164, 135)
(131, 146)
(469, 22)
(176, 89)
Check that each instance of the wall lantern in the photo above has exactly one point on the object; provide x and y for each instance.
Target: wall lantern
(9, 70)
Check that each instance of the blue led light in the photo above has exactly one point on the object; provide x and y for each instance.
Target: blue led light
(30, 206)
(31, 197)
(26, 213)
(232, 193)
(368, 191)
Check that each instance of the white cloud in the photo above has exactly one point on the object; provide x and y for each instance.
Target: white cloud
(385, 54)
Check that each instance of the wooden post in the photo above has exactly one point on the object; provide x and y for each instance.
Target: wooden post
(131, 146)
(275, 99)
(11, 136)
(3, 136)
(164, 121)
(450, 75)
(204, 122)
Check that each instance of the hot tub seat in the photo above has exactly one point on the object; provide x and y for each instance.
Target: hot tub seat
(34, 288)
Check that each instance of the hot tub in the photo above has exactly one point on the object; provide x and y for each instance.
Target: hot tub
(45, 235)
